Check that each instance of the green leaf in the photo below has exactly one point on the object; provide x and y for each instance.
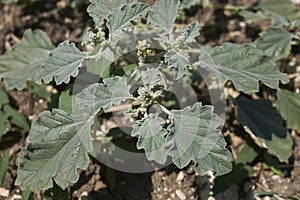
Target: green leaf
(40, 91)
(164, 13)
(250, 16)
(16, 117)
(121, 17)
(288, 105)
(66, 101)
(3, 97)
(244, 65)
(265, 126)
(275, 42)
(3, 125)
(151, 137)
(238, 173)
(281, 8)
(190, 3)
(99, 9)
(25, 60)
(103, 95)
(192, 31)
(62, 63)
(247, 155)
(4, 162)
(178, 61)
(194, 135)
(101, 65)
(58, 144)
(153, 76)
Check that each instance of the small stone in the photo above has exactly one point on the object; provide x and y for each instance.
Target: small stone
(180, 176)
(173, 195)
(4, 192)
(180, 195)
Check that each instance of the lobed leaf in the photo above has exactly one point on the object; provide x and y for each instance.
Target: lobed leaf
(275, 42)
(288, 105)
(194, 135)
(151, 137)
(164, 13)
(121, 17)
(103, 95)
(244, 65)
(153, 76)
(280, 8)
(192, 31)
(58, 144)
(99, 9)
(265, 126)
(178, 61)
(18, 65)
(62, 63)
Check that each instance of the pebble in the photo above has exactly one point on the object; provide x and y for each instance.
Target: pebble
(4, 192)
(180, 176)
(180, 195)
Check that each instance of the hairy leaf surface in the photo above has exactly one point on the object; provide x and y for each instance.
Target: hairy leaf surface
(265, 126)
(275, 42)
(56, 149)
(164, 13)
(62, 63)
(101, 65)
(189, 3)
(288, 105)
(178, 61)
(279, 8)
(244, 65)
(151, 137)
(99, 9)
(153, 77)
(192, 31)
(25, 60)
(194, 135)
(103, 95)
(121, 17)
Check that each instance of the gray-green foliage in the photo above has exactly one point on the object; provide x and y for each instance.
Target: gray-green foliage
(288, 105)
(59, 141)
(244, 65)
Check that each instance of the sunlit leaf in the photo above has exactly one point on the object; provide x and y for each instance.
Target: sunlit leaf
(57, 147)
(244, 65)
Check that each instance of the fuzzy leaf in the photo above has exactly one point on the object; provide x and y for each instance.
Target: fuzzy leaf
(192, 31)
(56, 149)
(288, 105)
(151, 137)
(25, 60)
(190, 3)
(280, 8)
(265, 126)
(164, 13)
(275, 42)
(62, 63)
(101, 65)
(195, 135)
(103, 95)
(178, 61)
(99, 9)
(153, 76)
(121, 17)
(244, 65)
